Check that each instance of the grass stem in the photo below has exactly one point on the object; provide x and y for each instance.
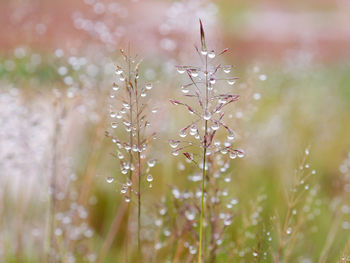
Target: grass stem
(204, 163)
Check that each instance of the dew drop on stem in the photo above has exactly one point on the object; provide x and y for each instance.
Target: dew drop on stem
(231, 136)
(240, 153)
(183, 133)
(194, 73)
(109, 179)
(227, 69)
(148, 86)
(211, 54)
(151, 163)
(173, 143)
(180, 70)
(206, 115)
(233, 155)
(185, 90)
(231, 81)
(118, 71)
(115, 87)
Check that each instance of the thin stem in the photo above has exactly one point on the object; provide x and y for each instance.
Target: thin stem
(204, 164)
(291, 204)
(115, 227)
(139, 174)
(202, 208)
(130, 154)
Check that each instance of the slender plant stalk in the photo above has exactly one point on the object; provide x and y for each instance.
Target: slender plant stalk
(137, 140)
(204, 163)
(131, 158)
(209, 115)
(292, 201)
(112, 232)
(139, 175)
(202, 208)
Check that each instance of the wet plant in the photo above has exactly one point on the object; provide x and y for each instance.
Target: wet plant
(302, 207)
(207, 97)
(129, 109)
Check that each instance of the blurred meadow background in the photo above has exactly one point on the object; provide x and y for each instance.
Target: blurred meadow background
(60, 182)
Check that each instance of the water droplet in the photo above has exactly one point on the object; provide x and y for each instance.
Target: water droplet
(180, 70)
(257, 96)
(120, 156)
(193, 130)
(151, 163)
(158, 246)
(114, 125)
(211, 54)
(123, 190)
(193, 250)
(194, 73)
(58, 232)
(115, 87)
(148, 86)
(231, 136)
(227, 221)
(126, 123)
(109, 179)
(212, 80)
(127, 199)
(227, 179)
(231, 81)
(206, 115)
(183, 133)
(227, 69)
(262, 77)
(150, 186)
(185, 90)
(190, 215)
(176, 193)
(215, 126)
(143, 94)
(222, 100)
(112, 114)
(173, 143)
(149, 178)
(307, 152)
(118, 71)
(240, 153)
(204, 52)
(289, 231)
(175, 153)
(233, 155)
(122, 78)
(255, 254)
